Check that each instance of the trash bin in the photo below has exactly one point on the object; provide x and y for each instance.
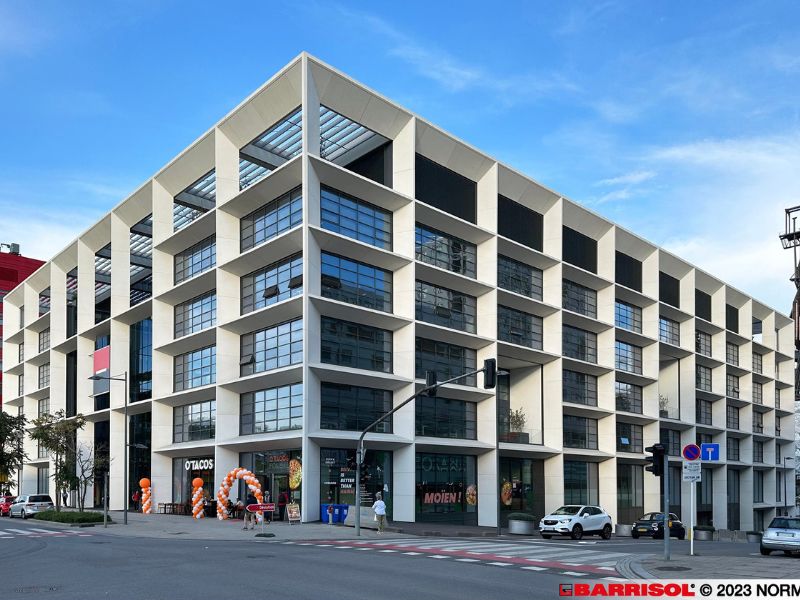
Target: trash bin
(342, 511)
(336, 514)
(323, 513)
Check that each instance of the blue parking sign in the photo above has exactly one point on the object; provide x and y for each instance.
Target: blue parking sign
(709, 451)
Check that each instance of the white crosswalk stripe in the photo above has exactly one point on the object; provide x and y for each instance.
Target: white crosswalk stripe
(19, 531)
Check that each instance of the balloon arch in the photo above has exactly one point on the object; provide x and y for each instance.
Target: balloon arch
(224, 490)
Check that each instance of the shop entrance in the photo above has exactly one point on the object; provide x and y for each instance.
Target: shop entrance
(279, 493)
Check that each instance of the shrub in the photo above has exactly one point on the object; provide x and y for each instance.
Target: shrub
(70, 517)
(704, 528)
(521, 517)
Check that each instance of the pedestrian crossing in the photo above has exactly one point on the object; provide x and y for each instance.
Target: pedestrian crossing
(568, 559)
(36, 532)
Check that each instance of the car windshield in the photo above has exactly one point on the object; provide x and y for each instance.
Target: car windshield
(41, 499)
(567, 510)
(785, 523)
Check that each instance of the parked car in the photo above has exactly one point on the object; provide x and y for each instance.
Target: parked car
(576, 520)
(27, 506)
(5, 505)
(783, 533)
(652, 525)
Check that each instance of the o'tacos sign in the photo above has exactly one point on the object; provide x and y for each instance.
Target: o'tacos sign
(202, 464)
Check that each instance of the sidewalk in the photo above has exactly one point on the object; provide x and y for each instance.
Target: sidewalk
(651, 566)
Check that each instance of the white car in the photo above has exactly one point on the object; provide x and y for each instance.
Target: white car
(27, 506)
(576, 520)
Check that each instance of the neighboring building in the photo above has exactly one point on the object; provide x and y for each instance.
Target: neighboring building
(14, 268)
(293, 274)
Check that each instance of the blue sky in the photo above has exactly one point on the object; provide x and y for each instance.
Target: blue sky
(678, 120)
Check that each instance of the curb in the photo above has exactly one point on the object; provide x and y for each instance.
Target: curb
(630, 567)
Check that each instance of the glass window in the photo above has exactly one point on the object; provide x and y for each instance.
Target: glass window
(445, 251)
(733, 449)
(580, 432)
(758, 452)
(579, 388)
(272, 219)
(447, 488)
(704, 438)
(672, 440)
(732, 417)
(43, 480)
(337, 469)
(273, 283)
(141, 360)
(21, 352)
(518, 327)
(442, 306)
(627, 316)
(195, 259)
(702, 379)
(579, 344)
(273, 409)
(579, 299)
(758, 486)
(447, 360)
(630, 492)
(758, 422)
(445, 418)
(627, 357)
(44, 340)
(629, 437)
(629, 397)
(669, 331)
(703, 412)
(196, 368)
(272, 348)
(518, 277)
(44, 375)
(355, 282)
(196, 314)
(43, 407)
(194, 421)
(580, 482)
(758, 393)
(732, 353)
(702, 343)
(355, 219)
(352, 408)
(355, 345)
(732, 385)
(758, 363)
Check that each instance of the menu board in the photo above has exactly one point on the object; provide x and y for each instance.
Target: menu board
(293, 512)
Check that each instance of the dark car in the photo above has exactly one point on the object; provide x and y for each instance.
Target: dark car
(652, 525)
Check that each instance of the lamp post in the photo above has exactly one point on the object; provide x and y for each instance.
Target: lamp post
(124, 378)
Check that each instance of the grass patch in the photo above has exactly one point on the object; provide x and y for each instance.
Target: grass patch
(70, 517)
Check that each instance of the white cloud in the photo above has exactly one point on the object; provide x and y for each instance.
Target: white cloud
(628, 179)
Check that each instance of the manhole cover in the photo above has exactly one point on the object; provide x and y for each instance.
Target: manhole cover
(673, 569)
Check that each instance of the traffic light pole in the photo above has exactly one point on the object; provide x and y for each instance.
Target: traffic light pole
(667, 532)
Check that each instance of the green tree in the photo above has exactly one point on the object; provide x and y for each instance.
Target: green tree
(58, 435)
(12, 456)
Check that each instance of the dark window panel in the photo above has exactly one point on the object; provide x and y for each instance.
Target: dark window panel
(445, 418)
(579, 250)
(519, 223)
(445, 251)
(355, 218)
(669, 289)
(352, 408)
(272, 219)
(628, 271)
(355, 345)
(355, 282)
(375, 164)
(732, 318)
(445, 189)
(702, 305)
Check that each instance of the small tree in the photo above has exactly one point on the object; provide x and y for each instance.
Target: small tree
(90, 462)
(12, 455)
(58, 435)
(516, 419)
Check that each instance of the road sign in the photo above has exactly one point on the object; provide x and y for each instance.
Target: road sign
(691, 452)
(709, 451)
(692, 471)
(270, 507)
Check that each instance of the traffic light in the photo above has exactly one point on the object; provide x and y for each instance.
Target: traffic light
(490, 373)
(656, 461)
(430, 382)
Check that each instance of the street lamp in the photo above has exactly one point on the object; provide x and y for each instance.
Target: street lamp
(124, 378)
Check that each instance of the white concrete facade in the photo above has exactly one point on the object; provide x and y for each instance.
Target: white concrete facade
(667, 376)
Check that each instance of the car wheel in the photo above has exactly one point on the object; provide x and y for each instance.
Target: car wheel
(765, 551)
(546, 537)
(606, 533)
(24, 516)
(10, 514)
(634, 535)
(577, 532)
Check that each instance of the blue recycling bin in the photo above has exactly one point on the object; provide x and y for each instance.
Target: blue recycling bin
(323, 513)
(342, 512)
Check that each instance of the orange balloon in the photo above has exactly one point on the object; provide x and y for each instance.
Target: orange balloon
(197, 482)
(144, 482)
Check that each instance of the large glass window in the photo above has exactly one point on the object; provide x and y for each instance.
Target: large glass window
(352, 408)
(521, 486)
(671, 438)
(445, 251)
(272, 219)
(196, 314)
(758, 393)
(702, 343)
(758, 422)
(355, 345)
(732, 353)
(195, 259)
(447, 488)
(580, 432)
(273, 409)
(732, 385)
(733, 449)
(338, 477)
(141, 360)
(629, 397)
(579, 344)
(630, 492)
(196, 368)
(445, 418)
(580, 482)
(758, 363)
(627, 316)
(579, 299)
(518, 277)
(43, 407)
(669, 331)
(703, 412)
(629, 437)
(519, 327)
(758, 452)
(273, 283)
(579, 388)
(447, 360)
(356, 219)
(44, 375)
(194, 421)
(355, 282)
(627, 357)
(442, 306)
(758, 486)
(732, 417)
(44, 338)
(702, 379)
(579, 249)
(272, 348)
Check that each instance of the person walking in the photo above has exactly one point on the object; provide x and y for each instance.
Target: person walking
(135, 497)
(64, 497)
(380, 512)
(248, 516)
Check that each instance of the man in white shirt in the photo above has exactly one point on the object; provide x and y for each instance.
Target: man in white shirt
(380, 512)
